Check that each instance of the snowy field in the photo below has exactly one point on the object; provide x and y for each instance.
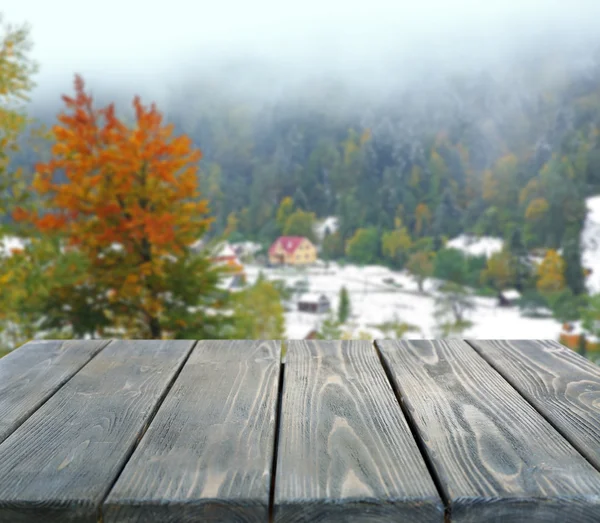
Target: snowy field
(374, 302)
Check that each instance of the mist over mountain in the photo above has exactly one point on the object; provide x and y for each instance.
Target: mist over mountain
(375, 107)
(266, 50)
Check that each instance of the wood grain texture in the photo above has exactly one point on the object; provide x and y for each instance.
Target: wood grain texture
(562, 385)
(30, 374)
(345, 450)
(60, 463)
(209, 452)
(496, 458)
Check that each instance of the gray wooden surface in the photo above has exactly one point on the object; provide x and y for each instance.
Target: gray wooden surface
(33, 372)
(208, 454)
(61, 462)
(496, 458)
(509, 430)
(558, 382)
(345, 450)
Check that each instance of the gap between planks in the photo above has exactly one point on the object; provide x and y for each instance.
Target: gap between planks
(145, 428)
(415, 434)
(276, 438)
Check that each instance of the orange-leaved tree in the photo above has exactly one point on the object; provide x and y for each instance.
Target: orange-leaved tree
(126, 198)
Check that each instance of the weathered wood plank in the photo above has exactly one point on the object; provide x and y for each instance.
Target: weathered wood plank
(61, 462)
(497, 459)
(562, 385)
(30, 374)
(345, 450)
(209, 452)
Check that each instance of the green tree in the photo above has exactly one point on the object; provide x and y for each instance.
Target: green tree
(565, 305)
(259, 314)
(533, 304)
(451, 265)
(590, 314)
(344, 306)
(451, 306)
(447, 217)
(396, 328)
(330, 330)
(454, 300)
(421, 265)
(363, 247)
(286, 208)
(332, 246)
(350, 215)
(32, 279)
(439, 171)
(301, 223)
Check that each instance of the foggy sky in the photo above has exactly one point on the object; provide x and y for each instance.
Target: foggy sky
(148, 46)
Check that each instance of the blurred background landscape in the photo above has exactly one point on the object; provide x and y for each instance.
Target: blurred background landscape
(320, 170)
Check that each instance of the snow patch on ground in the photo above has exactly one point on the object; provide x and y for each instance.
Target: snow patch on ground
(474, 246)
(590, 244)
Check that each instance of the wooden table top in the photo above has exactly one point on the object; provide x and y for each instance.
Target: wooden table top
(352, 431)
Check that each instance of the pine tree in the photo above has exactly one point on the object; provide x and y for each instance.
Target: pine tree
(344, 307)
(447, 218)
(572, 256)
(582, 344)
(286, 208)
(521, 269)
(301, 200)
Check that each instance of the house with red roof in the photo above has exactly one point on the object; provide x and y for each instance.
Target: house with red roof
(292, 250)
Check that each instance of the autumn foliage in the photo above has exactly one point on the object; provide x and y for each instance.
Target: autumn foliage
(550, 273)
(130, 202)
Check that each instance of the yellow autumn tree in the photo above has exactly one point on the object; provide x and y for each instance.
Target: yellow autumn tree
(537, 209)
(499, 183)
(286, 208)
(416, 175)
(489, 186)
(422, 218)
(529, 191)
(16, 71)
(499, 270)
(395, 244)
(232, 224)
(420, 265)
(551, 273)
